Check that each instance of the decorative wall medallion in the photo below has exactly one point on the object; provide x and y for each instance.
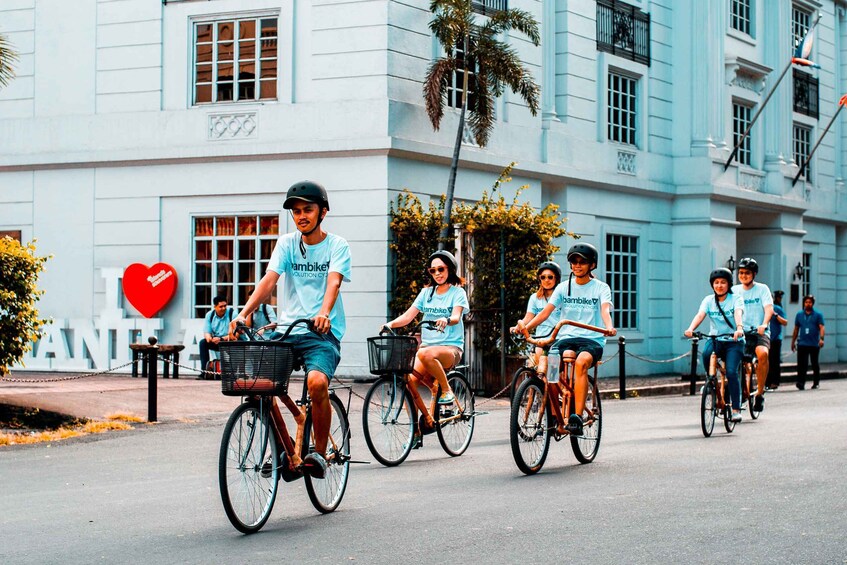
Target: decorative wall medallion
(232, 126)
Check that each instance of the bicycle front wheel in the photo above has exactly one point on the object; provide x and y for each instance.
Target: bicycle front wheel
(529, 426)
(586, 446)
(519, 377)
(455, 422)
(708, 408)
(728, 424)
(388, 421)
(247, 445)
(752, 387)
(326, 493)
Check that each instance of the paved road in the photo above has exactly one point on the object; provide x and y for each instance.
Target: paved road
(771, 492)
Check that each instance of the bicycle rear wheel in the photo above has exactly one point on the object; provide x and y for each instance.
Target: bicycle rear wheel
(326, 493)
(456, 432)
(388, 421)
(727, 419)
(518, 378)
(529, 426)
(586, 446)
(708, 408)
(247, 444)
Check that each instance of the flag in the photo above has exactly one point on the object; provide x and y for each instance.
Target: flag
(804, 49)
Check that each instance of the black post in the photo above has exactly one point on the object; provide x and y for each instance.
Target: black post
(502, 310)
(622, 365)
(135, 363)
(693, 374)
(152, 354)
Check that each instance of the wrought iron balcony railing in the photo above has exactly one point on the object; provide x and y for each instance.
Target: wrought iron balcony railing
(623, 30)
(487, 7)
(805, 94)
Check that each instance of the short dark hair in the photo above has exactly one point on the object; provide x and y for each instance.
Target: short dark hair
(809, 297)
(218, 299)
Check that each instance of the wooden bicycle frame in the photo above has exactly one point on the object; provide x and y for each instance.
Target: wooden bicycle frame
(433, 405)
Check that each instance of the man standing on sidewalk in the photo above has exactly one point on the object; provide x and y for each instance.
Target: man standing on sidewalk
(775, 356)
(809, 326)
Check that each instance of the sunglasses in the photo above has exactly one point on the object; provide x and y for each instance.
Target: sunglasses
(433, 270)
(547, 278)
(579, 262)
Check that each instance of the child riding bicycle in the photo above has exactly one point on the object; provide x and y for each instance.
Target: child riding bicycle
(315, 263)
(583, 298)
(443, 301)
(725, 311)
(758, 310)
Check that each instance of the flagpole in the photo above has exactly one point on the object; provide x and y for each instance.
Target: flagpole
(793, 59)
(756, 116)
(829, 125)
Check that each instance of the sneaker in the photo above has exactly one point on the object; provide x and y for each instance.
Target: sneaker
(574, 426)
(446, 398)
(759, 403)
(314, 465)
(417, 442)
(736, 416)
(424, 429)
(801, 386)
(816, 385)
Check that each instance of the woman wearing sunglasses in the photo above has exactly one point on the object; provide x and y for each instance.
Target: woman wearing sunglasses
(549, 275)
(443, 300)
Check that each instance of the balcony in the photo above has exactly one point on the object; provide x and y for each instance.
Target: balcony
(488, 7)
(805, 94)
(623, 30)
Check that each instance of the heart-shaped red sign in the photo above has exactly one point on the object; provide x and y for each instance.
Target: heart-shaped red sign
(149, 289)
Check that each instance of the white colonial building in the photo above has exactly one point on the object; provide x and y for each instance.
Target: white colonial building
(146, 131)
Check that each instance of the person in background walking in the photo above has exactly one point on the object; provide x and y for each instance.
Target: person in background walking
(807, 341)
(215, 330)
(777, 321)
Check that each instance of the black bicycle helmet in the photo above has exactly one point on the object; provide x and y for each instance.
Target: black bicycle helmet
(307, 190)
(722, 273)
(584, 250)
(551, 266)
(809, 297)
(448, 259)
(749, 264)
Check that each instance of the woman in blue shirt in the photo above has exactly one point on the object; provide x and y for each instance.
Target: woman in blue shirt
(443, 301)
(549, 276)
(725, 311)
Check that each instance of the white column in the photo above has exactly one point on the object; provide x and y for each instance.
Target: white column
(776, 120)
(548, 61)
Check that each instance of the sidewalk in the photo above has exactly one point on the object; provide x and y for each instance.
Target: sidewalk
(188, 399)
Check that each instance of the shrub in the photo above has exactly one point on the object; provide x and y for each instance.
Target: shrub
(19, 321)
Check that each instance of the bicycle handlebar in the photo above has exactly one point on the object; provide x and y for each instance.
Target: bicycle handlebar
(701, 335)
(251, 333)
(430, 324)
(544, 341)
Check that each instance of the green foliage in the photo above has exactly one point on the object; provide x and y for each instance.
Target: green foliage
(19, 321)
(415, 230)
(8, 57)
(526, 236)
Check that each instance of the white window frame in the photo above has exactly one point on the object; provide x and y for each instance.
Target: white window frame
(745, 151)
(258, 264)
(802, 147)
(806, 284)
(613, 276)
(214, 20)
(454, 85)
(628, 134)
(801, 21)
(741, 23)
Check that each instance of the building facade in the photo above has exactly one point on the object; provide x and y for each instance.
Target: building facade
(167, 132)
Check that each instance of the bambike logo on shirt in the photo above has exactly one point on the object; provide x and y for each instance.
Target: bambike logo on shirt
(579, 302)
(312, 269)
(756, 300)
(436, 311)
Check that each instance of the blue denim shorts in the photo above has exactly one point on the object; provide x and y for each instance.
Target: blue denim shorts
(320, 352)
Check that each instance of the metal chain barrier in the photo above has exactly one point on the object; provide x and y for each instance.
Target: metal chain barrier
(70, 378)
(677, 358)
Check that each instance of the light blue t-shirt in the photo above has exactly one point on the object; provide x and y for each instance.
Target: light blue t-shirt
(755, 301)
(218, 327)
(305, 281)
(718, 325)
(536, 305)
(434, 306)
(583, 305)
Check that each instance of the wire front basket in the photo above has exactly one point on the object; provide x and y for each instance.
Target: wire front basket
(392, 354)
(255, 367)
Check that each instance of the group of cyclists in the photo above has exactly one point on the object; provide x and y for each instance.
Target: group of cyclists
(315, 263)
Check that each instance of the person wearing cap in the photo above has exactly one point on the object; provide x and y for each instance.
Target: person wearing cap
(758, 311)
(807, 341)
(725, 311)
(775, 356)
(549, 276)
(586, 299)
(442, 300)
(314, 263)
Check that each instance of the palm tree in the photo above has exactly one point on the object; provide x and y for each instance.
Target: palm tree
(7, 57)
(472, 48)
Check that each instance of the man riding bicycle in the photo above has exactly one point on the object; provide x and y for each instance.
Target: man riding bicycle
(582, 298)
(758, 310)
(314, 263)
